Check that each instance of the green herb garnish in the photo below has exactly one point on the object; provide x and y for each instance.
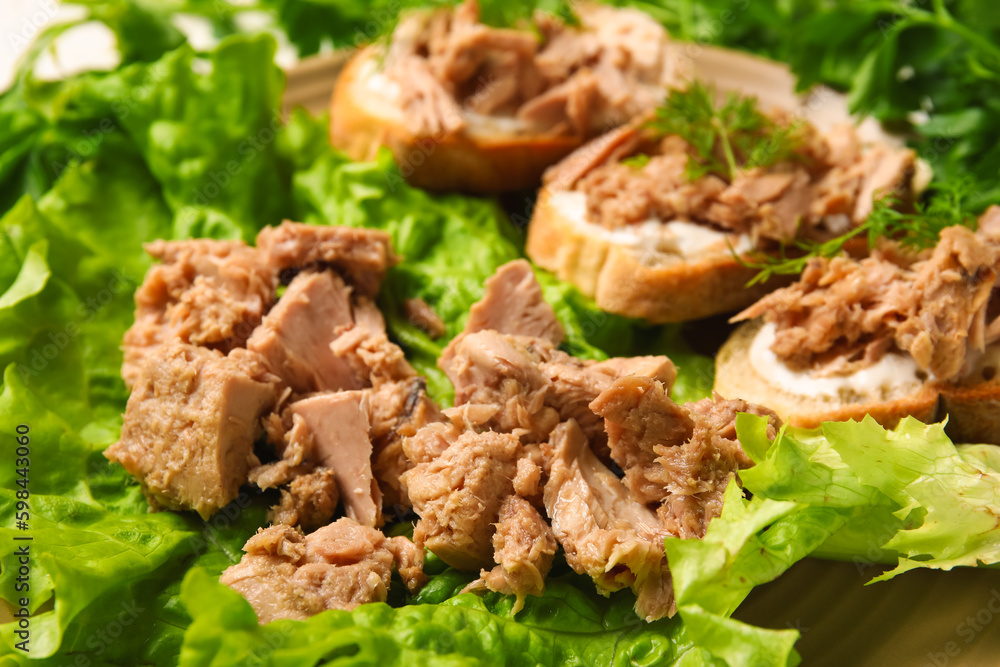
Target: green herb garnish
(637, 161)
(918, 230)
(728, 139)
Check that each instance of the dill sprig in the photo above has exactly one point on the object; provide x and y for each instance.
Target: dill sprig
(917, 230)
(727, 139)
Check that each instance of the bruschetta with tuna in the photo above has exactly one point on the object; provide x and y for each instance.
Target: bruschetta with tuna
(467, 106)
(894, 334)
(650, 219)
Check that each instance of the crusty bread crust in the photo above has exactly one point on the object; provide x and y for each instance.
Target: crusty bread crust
(736, 377)
(463, 161)
(973, 412)
(620, 281)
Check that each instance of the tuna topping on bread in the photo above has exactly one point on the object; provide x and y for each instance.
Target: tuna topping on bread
(886, 335)
(648, 218)
(465, 105)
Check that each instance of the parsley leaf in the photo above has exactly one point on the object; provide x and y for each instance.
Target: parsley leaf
(728, 139)
(638, 161)
(915, 230)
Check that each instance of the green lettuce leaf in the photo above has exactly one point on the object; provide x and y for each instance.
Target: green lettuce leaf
(906, 496)
(949, 503)
(565, 627)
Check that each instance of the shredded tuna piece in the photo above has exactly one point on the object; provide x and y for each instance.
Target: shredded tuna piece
(488, 368)
(371, 355)
(533, 386)
(638, 416)
(295, 337)
(398, 410)
(190, 424)
(845, 314)
(293, 442)
(527, 479)
(832, 178)
(360, 256)
(523, 547)
(204, 292)
(604, 531)
(609, 147)
(309, 501)
(340, 429)
(513, 304)
(430, 442)
(341, 566)
(679, 457)
(458, 497)
(697, 471)
(422, 316)
(579, 81)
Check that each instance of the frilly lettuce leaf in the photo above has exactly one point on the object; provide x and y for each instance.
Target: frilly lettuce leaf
(906, 496)
(949, 504)
(565, 627)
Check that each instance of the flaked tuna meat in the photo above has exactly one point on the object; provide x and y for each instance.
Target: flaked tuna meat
(697, 471)
(458, 496)
(487, 67)
(681, 456)
(294, 338)
(954, 288)
(678, 459)
(360, 256)
(387, 414)
(366, 314)
(293, 443)
(430, 442)
(523, 547)
(845, 314)
(530, 385)
(558, 79)
(320, 339)
(639, 416)
(190, 425)
(829, 184)
(492, 369)
(604, 531)
(419, 313)
(887, 172)
(398, 404)
(513, 304)
(340, 566)
(508, 374)
(609, 147)
(370, 355)
(398, 410)
(309, 500)
(528, 476)
(340, 428)
(566, 107)
(428, 107)
(203, 292)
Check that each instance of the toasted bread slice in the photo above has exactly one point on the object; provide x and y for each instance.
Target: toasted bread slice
(972, 405)
(487, 157)
(742, 370)
(676, 277)
(620, 269)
